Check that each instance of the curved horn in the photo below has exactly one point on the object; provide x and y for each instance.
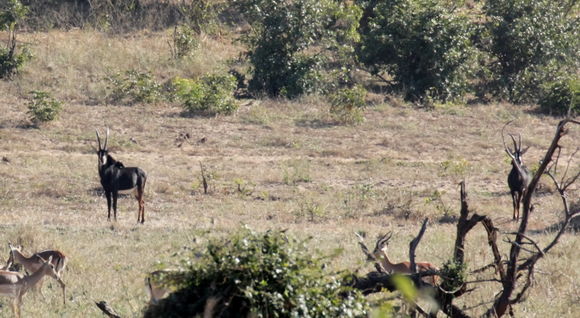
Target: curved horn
(515, 143)
(98, 138)
(503, 139)
(106, 139)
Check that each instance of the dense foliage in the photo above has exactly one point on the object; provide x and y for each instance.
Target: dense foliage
(258, 275)
(11, 57)
(346, 105)
(533, 42)
(42, 107)
(423, 45)
(561, 97)
(133, 87)
(210, 95)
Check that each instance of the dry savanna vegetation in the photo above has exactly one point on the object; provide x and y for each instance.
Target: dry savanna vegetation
(274, 163)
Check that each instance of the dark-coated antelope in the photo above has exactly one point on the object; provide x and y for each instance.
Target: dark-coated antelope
(519, 177)
(115, 177)
(36, 260)
(15, 285)
(380, 254)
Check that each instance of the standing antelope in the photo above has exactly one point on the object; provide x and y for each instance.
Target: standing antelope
(115, 176)
(15, 285)
(519, 177)
(380, 254)
(36, 261)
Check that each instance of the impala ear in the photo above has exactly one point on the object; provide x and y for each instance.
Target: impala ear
(524, 151)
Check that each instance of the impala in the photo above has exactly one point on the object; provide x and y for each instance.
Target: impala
(115, 176)
(15, 285)
(519, 177)
(380, 254)
(36, 261)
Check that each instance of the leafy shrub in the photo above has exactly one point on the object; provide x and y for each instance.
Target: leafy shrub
(11, 12)
(560, 96)
(532, 42)
(134, 87)
(347, 105)
(42, 107)
(423, 45)
(454, 275)
(184, 42)
(282, 31)
(210, 95)
(261, 275)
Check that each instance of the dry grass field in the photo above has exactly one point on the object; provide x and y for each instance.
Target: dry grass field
(275, 164)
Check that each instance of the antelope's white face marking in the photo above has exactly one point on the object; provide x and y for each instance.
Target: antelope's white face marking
(104, 159)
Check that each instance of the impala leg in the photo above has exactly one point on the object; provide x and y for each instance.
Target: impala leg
(108, 195)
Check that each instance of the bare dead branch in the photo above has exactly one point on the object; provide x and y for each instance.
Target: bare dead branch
(107, 309)
(413, 245)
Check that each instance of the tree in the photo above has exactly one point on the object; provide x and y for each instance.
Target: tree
(532, 43)
(425, 47)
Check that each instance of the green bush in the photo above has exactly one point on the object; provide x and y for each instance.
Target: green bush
(134, 87)
(258, 275)
(454, 275)
(42, 107)
(532, 43)
(277, 46)
(561, 96)
(425, 46)
(210, 95)
(347, 105)
(11, 13)
(184, 42)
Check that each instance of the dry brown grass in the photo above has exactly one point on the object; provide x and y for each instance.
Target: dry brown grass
(302, 173)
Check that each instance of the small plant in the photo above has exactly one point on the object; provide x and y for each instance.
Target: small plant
(261, 275)
(184, 42)
(347, 105)
(296, 172)
(210, 95)
(244, 188)
(561, 96)
(454, 275)
(42, 107)
(134, 87)
(455, 168)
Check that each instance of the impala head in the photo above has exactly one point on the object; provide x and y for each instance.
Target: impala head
(102, 152)
(382, 243)
(517, 153)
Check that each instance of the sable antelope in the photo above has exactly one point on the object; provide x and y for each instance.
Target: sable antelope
(380, 253)
(34, 262)
(115, 176)
(15, 285)
(519, 177)
(155, 287)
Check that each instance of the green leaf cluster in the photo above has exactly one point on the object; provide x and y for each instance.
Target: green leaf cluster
(210, 95)
(561, 96)
(134, 87)
(533, 42)
(423, 45)
(347, 104)
(42, 107)
(259, 275)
